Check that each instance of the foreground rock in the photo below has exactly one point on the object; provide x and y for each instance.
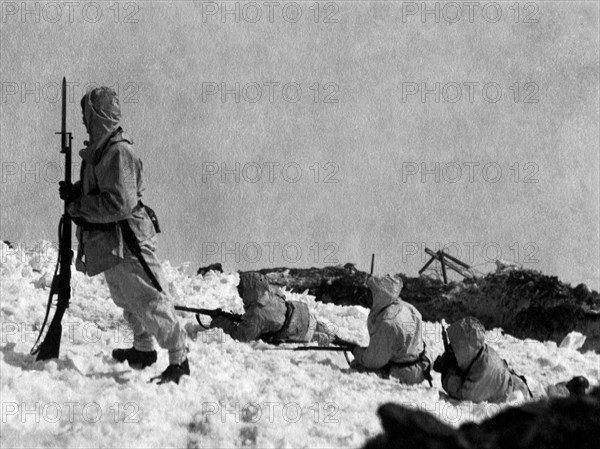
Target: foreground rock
(525, 303)
(558, 423)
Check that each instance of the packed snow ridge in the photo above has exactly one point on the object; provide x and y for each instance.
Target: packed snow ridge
(239, 395)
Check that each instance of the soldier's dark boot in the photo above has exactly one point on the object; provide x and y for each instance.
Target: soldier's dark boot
(136, 359)
(173, 373)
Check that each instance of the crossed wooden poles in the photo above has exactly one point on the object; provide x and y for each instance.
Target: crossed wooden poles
(446, 260)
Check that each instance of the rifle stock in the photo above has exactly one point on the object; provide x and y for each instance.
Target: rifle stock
(61, 283)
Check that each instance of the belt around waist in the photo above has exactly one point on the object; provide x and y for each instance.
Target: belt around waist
(407, 364)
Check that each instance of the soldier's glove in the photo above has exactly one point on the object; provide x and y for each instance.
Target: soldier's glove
(68, 192)
(445, 362)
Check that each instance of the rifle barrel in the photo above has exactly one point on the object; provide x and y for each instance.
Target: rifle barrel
(313, 348)
(201, 311)
(63, 127)
(188, 309)
(66, 237)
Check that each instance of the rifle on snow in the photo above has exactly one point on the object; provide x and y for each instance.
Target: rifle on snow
(61, 282)
(344, 349)
(213, 313)
(339, 345)
(314, 348)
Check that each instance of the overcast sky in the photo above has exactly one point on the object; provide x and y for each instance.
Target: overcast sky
(356, 127)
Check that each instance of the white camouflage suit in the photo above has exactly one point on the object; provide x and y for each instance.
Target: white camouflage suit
(111, 189)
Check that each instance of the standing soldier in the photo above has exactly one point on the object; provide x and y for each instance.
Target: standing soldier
(117, 236)
(396, 347)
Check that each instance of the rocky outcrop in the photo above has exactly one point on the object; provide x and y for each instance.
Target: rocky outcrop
(525, 303)
(570, 422)
(341, 285)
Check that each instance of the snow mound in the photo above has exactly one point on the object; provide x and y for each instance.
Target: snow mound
(239, 395)
(574, 340)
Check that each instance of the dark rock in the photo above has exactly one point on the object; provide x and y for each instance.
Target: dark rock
(413, 429)
(213, 267)
(578, 386)
(572, 422)
(334, 284)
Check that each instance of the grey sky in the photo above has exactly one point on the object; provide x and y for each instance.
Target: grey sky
(508, 130)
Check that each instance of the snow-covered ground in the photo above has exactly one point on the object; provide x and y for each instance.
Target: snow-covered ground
(238, 394)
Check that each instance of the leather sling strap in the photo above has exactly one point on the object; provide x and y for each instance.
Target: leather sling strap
(272, 336)
(132, 243)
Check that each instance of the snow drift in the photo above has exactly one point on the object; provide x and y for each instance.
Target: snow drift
(239, 395)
